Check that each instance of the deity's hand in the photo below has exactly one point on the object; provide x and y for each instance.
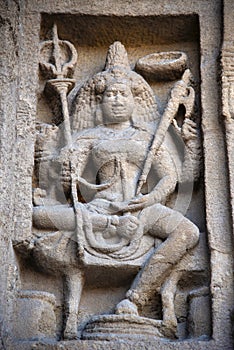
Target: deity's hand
(39, 195)
(117, 207)
(65, 175)
(140, 202)
(135, 204)
(189, 130)
(64, 159)
(193, 154)
(128, 226)
(65, 154)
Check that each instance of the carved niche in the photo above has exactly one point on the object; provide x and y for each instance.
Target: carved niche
(118, 246)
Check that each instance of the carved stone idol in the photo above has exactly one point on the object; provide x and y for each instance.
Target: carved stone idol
(104, 179)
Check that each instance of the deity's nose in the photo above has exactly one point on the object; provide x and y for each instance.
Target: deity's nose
(119, 98)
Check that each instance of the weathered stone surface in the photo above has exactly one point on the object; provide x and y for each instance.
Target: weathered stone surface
(114, 164)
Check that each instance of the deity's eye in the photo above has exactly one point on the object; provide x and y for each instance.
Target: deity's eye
(109, 94)
(124, 93)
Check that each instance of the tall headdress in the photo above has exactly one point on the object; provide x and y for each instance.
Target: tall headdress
(117, 69)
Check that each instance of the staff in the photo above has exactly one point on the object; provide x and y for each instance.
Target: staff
(181, 94)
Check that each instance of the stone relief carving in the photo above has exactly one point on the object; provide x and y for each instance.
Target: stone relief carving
(103, 180)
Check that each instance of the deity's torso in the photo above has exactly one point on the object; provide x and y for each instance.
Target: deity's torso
(119, 154)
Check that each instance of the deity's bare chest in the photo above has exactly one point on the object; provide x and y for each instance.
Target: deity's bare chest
(129, 148)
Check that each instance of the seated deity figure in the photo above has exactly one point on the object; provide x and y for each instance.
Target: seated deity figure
(114, 118)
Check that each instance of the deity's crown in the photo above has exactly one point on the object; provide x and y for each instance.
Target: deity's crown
(117, 68)
(117, 57)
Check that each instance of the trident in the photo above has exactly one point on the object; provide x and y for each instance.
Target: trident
(58, 60)
(59, 68)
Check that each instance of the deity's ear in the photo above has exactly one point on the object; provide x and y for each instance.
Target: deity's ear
(99, 98)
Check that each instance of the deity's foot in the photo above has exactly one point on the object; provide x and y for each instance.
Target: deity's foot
(126, 307)
(136, 298)
(169, 327)
(70, 331)
(70, 335)
(122, 326)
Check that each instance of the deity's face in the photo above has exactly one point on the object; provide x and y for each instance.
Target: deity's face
(117, 104)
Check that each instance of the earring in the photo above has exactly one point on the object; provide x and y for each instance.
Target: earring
(98, 116)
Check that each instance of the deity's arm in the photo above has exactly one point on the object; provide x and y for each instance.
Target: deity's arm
(191, 167)
(165, 171)
(74, 161)
(62, 217)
